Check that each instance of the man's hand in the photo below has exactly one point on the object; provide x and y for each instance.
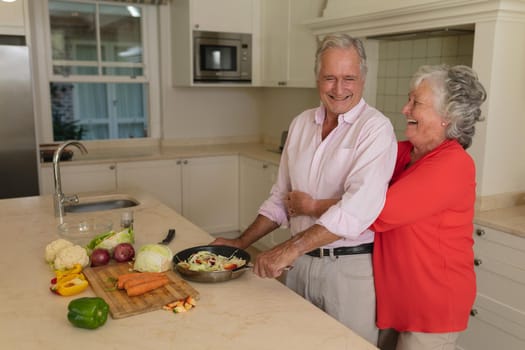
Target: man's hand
(272, 263)
(229, 242)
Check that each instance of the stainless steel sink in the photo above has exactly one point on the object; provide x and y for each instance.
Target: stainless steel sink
(102, 205)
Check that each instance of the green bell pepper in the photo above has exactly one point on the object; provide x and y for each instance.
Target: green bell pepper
(88, 312)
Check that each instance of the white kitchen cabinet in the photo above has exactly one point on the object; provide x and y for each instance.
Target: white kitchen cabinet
(221, 15)
(288, 46)
(204, 190)
(12, 17)
(498, 316)
(79, 178)
(210, 192)
(256, 180)
(160, 178)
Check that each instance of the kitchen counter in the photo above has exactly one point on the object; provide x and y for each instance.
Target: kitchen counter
(246, 313)
(107, 155)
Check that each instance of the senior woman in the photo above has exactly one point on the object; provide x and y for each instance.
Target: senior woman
(423, 256)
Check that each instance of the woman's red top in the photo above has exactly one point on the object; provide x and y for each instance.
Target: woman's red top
(423, 256)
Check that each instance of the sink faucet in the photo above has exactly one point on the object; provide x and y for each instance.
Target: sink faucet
(59, 199)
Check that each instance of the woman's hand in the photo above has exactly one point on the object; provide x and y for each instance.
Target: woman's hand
(299, 203)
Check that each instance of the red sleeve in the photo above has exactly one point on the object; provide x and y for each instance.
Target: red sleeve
(440, 180)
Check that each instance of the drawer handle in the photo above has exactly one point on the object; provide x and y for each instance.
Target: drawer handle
(473, 312)
(111, 167)
(265, 166)
(477, 261)
(480, 232)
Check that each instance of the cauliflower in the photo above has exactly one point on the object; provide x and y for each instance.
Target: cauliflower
(54, 247)
(68, 257)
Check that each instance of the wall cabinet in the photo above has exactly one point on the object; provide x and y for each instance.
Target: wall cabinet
(288, 46)
(256, 180)
(498, 315)
(204, 190)
(12, 17)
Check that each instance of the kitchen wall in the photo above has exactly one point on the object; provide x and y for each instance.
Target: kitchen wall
(399, 59)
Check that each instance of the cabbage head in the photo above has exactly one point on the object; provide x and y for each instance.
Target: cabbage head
(153, 258)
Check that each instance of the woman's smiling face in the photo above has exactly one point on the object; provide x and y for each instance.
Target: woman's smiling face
(425, 125)
(340, 82)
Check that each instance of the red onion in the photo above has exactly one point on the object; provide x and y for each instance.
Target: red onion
(100, 257)
(123, 252)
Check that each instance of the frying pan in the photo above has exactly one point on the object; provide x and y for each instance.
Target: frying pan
(211, 276)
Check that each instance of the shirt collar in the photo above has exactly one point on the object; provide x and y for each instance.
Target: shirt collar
(348, 117)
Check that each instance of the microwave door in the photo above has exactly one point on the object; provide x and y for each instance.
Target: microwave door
(217, 59)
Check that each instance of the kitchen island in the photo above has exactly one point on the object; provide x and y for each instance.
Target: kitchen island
(246, 313)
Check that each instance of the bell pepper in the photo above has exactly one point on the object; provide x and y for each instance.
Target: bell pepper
(88, 312)
(69, 282)
(70, 285)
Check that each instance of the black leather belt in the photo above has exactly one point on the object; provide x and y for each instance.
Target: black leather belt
(359, 249)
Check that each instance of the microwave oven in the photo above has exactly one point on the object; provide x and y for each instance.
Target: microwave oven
(222, 57)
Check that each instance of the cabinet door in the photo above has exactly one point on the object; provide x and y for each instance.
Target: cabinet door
(210, 193)
(160, 178)
(12, 17)
(288, 46)
(302, 43)
(498, 317)
(222, 16)
(80, 178)
(274, 33)
(256, 181)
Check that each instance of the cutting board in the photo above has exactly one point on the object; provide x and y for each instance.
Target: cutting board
(102, 279)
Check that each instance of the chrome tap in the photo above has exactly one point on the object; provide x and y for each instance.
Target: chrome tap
(59, 199)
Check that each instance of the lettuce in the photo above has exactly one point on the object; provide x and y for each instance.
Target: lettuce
(109, 240)
(153, 258)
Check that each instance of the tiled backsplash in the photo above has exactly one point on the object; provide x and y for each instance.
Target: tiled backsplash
(398, 60)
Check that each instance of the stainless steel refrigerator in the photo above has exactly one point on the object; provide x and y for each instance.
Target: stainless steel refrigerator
(18, 150)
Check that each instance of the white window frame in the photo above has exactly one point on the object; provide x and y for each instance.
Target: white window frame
(43, 70)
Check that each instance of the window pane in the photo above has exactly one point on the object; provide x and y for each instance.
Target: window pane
(130, 72)
(73, 31)
(120, 33)
(99, 111)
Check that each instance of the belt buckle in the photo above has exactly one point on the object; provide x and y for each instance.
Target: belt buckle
(321, 252)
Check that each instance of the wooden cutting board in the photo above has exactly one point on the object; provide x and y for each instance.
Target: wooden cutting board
(102, 279)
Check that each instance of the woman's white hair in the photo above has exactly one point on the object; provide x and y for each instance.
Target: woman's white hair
(458, 98)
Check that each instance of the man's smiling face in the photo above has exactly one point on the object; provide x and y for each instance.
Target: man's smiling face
(340, 82)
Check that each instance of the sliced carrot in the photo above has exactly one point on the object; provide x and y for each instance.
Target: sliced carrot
(142, 288)
(135, 275)
(133, 282)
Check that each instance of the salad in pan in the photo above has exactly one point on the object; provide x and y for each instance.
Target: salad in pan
(207, 261)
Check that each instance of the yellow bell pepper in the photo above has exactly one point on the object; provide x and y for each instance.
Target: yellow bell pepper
(69, 282)
(72, 284)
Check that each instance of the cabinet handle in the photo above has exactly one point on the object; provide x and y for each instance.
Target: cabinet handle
(112, 167)
(281, 83)
(473, 312)
(477, 261)
(178, 162)
(197, 26)
(185, 161)
(480, 232)
(265, 166)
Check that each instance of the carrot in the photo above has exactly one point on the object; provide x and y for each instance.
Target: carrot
(145, 287)
(133, 282)
(135, 275)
